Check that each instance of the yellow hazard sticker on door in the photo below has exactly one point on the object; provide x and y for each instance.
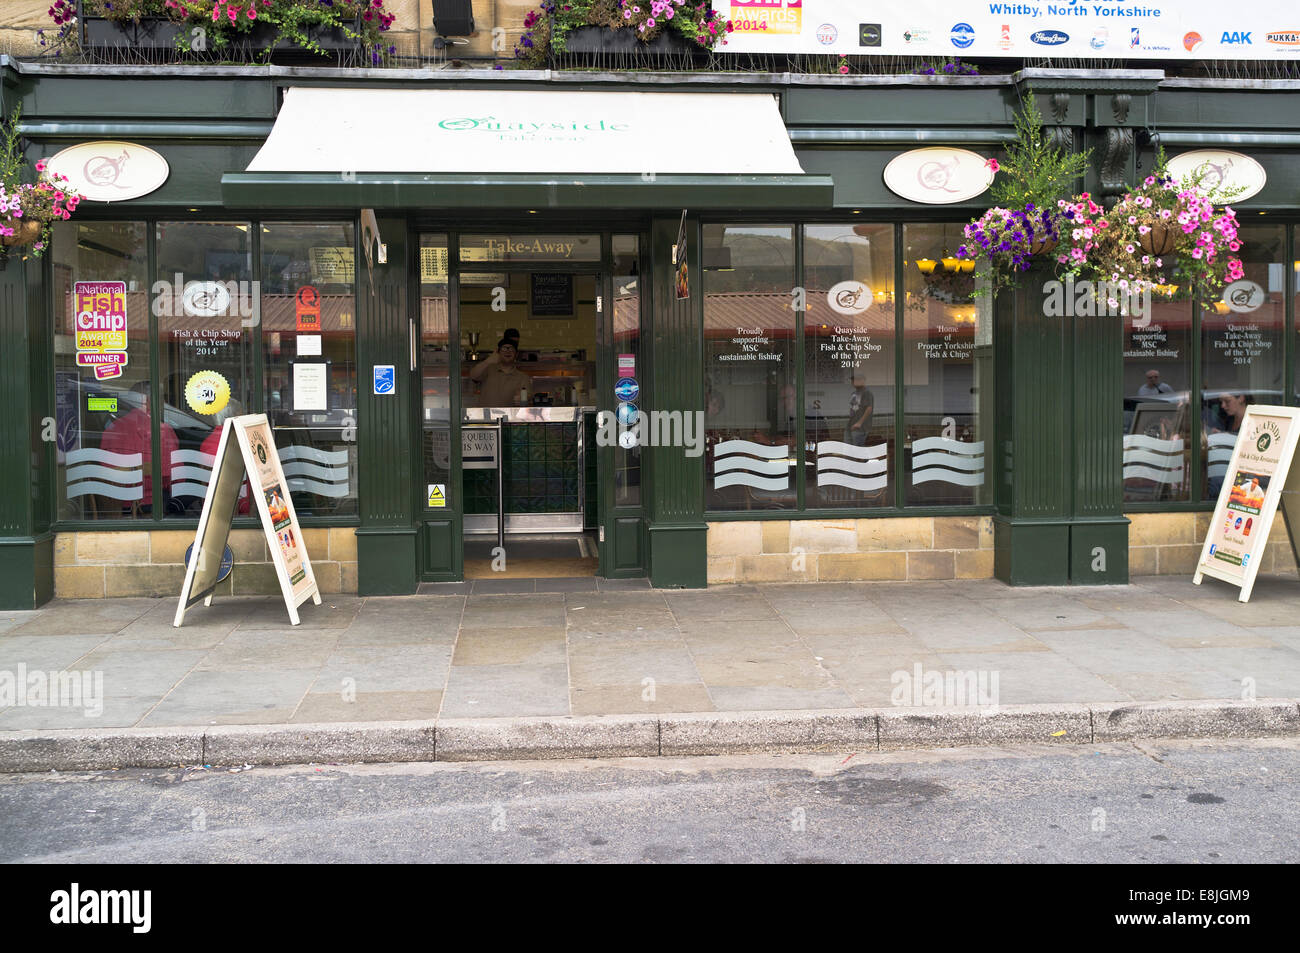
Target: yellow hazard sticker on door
(437, 495)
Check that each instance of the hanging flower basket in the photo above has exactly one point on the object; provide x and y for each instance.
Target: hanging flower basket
(24, 233)
(1042, 246)
(1160, 240)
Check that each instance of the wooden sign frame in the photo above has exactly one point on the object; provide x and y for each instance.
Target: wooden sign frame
(247, 450)
(1240, 526)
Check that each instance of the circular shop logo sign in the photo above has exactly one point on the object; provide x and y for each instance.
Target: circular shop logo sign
(1221, 169)
(627, 439)
(207, 392)
(962, 35)
(107, 171)
(938, 175)
(827, 34)
(627, 414)
(849, 297)
(1243, 296)
(1263, 442)
(205, 299)
(626, 389)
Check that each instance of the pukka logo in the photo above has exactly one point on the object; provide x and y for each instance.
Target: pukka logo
(1284, 38)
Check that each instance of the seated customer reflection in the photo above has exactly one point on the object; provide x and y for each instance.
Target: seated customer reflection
(503, 383)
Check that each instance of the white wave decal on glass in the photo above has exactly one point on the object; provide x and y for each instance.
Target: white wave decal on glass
(942, 460)
(118, 476)
(320, 489)
(748, 479)
(832, 478)
(1220, 445)
(1149, 458)
(732, 457)
(849, 450)
(322, 472)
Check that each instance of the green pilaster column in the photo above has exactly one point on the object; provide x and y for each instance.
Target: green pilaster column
(26, 437)
(677, 531)
(1059, 513)
(387, 457)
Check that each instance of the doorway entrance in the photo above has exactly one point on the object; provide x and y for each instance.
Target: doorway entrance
(518, 355)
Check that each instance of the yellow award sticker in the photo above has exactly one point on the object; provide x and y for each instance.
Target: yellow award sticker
(207, 392)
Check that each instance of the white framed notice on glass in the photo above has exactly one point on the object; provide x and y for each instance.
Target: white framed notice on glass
(1258, 481)
(247, 451)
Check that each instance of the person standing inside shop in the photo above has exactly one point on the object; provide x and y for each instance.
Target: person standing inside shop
(861, 403)
(503, 383)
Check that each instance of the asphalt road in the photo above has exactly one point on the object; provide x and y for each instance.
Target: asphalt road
(1190, 802)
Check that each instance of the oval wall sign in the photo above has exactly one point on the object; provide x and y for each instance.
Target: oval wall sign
(107, 171)
(938, 175)
(1222, 168)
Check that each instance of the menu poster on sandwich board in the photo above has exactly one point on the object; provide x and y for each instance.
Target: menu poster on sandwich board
(247, 449)
(1258, 480)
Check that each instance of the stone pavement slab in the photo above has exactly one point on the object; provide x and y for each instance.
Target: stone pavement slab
(579, 651)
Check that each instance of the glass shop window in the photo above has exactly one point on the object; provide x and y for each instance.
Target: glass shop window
(309, 357)
(207, 308)
(749, 346)
(1241, 349)
(947, 372)
(849, 365)
(103, 391)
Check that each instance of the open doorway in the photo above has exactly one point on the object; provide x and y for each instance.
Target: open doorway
(528, 375)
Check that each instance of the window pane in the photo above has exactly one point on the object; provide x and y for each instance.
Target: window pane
(101, 348)
(206, 306)
(309, 353)
(1157, 389)
(627, 355)
(849, 365)
(947, 372)
(436, 361)
(749, 329)
(1241, 350)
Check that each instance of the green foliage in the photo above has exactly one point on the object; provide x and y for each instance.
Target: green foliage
(1035, 171)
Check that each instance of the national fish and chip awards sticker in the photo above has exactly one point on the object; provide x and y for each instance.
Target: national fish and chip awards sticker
(207, 392)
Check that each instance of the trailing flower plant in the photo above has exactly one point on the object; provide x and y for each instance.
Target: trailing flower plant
(547, 28)
(219, 23)
(1025, 220)
(28, 210)
(1161, 227)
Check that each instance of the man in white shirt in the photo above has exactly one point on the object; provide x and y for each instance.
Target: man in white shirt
(1154, 387)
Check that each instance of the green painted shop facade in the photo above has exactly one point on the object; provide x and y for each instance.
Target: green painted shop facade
(776, 407)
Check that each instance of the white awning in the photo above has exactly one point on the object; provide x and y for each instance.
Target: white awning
(488, 131)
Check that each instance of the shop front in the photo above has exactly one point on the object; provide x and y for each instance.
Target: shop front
(535, 325)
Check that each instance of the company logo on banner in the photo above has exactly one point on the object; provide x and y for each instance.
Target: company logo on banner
(1222, 170)
(1066, 29)
(101, 326)
(938, 175)
(109, 171)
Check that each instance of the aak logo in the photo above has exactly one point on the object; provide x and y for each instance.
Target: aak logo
(1192, 40)
(962, 35)
(869, 34)
(1284, 38)
(1050, 37)
(1237, 38)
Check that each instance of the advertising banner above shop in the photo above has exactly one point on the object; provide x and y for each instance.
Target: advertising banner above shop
(1067, 29)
